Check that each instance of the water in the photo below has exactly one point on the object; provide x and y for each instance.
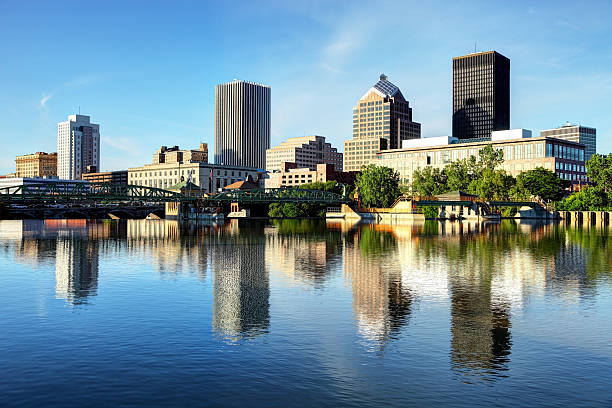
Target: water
(304, 313)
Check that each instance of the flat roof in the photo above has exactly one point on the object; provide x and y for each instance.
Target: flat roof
(474, 54)
(483, 143)
(153, 166)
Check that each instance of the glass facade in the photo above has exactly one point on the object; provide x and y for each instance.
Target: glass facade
(481, 95)
(578, 134)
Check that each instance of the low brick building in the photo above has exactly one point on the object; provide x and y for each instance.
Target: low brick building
(115, 177)
(291, 176)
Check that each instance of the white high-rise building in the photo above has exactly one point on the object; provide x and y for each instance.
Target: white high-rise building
(78, 146)
(242, 124)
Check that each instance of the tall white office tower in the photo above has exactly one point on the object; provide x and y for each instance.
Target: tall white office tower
(242, 124)
(78, 146)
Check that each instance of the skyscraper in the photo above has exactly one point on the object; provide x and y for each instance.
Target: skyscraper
(78, 146)
(481, 94)
(576, 133)
(381, 120)
(242, 124)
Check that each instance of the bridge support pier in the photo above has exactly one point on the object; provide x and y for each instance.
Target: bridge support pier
(174, 210)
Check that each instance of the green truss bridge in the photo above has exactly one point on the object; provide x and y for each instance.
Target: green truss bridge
(277, 195)
(84, 193)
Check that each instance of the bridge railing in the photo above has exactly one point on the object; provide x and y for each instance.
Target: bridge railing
(76, 191)
(270, 195)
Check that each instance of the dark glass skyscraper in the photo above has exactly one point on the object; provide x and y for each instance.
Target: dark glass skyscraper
(481, 94)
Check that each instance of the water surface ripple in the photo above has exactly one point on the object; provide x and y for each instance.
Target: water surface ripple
(304, 313)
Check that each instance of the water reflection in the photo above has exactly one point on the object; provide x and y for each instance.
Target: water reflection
(76, 269)
(241, 285)
(380, 303)
(304, 251)
(480, 274)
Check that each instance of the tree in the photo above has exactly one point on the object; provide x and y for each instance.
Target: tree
(428, 182)
(490, 158)
(458, 176)
(599, 171)
(493, 185)
(378, 186)
(587, 199)
(541, 183)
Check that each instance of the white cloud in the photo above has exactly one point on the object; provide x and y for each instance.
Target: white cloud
(350, 35)
(44, 99)
(79, 81)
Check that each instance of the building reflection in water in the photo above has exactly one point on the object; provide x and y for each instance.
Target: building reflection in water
(482, 271)
(480, 317)
(174, 247)
(76, 269)
(381, 304)
(241, 284)
(303, 252)
(76, 257)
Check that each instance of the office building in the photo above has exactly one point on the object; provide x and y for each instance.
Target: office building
(176, 155)
(290, 175)
(114, 177)
(170, 171)
(576, 133)
(304, 151)
(382, 118)
(481, 95)
(39, 164)
(78, 147)
(521, 153)
(242, 124)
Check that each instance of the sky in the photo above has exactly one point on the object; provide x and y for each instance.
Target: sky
(146, 70)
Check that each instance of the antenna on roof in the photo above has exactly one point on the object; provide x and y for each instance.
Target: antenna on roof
(474, 47)
(79, 109)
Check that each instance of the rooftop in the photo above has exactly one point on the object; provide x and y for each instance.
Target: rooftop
(385, 86)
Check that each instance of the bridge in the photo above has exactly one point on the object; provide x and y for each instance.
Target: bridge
(66, 192)
(468, 206)
(65, 199)
(276, 195)
(63, 192)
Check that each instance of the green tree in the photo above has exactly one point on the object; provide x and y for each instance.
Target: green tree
(588, 199)
(275, 210)
(493, 185)
(599, 171)
(490, 158)
(378, 186)
(541, 183)
(428, 182)
(458, 176)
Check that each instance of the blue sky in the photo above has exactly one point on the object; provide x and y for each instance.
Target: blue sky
(146, 70)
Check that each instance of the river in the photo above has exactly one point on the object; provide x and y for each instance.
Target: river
(304, 313)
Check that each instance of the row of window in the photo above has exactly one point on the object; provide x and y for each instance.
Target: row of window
(564, 152)
(574, 177)
(570, 167)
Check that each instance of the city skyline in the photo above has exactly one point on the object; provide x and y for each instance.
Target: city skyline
(318, 63)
